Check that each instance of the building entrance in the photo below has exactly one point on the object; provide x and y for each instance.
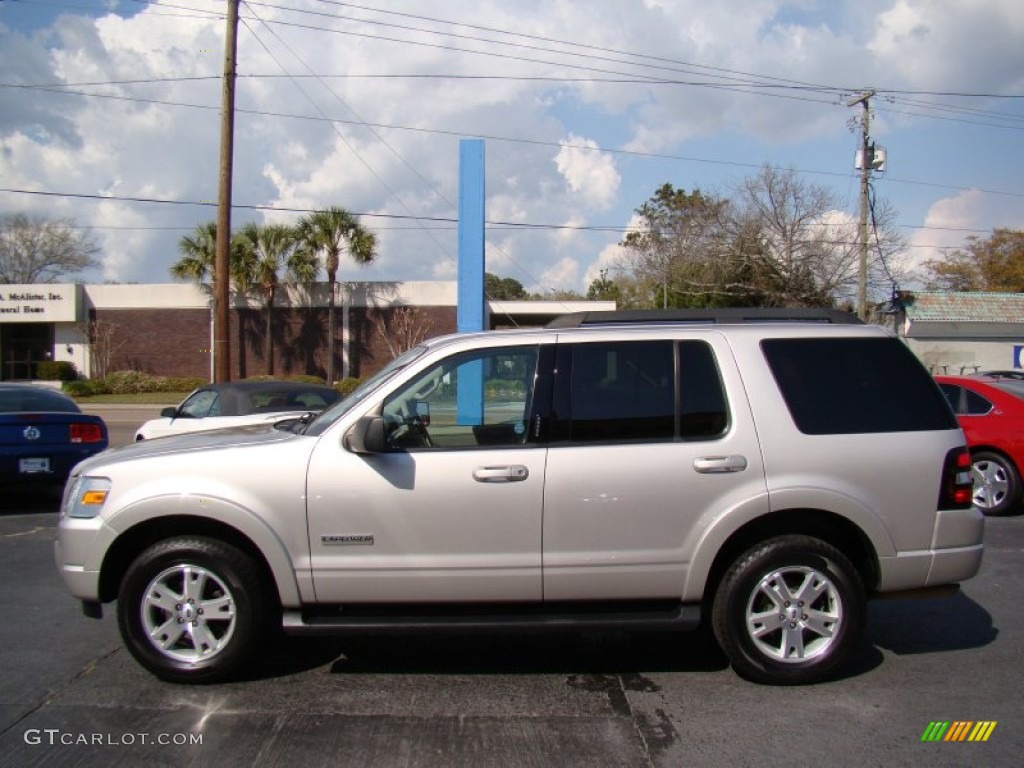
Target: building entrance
(22, 347)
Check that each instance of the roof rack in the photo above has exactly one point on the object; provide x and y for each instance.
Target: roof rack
(722, 315)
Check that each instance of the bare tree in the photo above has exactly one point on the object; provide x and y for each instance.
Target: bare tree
(40, 250)
(100, 336)
(807, 252)
(404, 329)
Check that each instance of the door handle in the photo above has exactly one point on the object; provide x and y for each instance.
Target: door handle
(720, 464)
(508, 474)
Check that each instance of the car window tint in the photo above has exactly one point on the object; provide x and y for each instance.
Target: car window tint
(702, 413)
(953, 395)
(200, 404)
(475, 399)
(17, 400)
(622, 391)
(976, 404)
(855, 386)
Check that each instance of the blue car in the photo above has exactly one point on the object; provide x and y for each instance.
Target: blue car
(43, 434)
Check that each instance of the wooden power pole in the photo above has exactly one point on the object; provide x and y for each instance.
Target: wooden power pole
(866, 160)
(222, 262)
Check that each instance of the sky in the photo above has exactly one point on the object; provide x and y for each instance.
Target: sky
(110, 117)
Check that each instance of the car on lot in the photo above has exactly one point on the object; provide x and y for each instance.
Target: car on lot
(43, 434)
(623, 470)
(991, 412)
(239, 404)
(1013, 373)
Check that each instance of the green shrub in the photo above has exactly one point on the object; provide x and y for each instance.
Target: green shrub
(56, 370)
(300, 378)
(345, 386)
(84, 388)
(137, 382)
(185, 384)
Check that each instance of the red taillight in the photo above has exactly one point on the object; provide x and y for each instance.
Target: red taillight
(957, 484)
(86, 433)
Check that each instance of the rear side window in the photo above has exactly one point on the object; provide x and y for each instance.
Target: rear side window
(639, 391)
(839, 386)
(965, 402)
(623, 391)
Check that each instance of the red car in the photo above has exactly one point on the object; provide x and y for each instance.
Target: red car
(991, 411)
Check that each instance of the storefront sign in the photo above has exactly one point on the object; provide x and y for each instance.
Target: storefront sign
(40, 303)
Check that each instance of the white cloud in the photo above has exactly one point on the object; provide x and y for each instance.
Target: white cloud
(964, 45)
(140, 145)
(588, 173)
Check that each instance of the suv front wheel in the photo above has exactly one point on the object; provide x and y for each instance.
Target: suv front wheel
(192, 609)
(789, 610)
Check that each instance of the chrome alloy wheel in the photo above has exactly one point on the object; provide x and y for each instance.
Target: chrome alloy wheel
(991, 483)
(188, 613)
(794, 614)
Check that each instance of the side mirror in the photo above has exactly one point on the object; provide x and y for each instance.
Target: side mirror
(423, 412)
(366, 437)
(168, 413)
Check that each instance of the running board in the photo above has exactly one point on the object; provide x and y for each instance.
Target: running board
(359, 619)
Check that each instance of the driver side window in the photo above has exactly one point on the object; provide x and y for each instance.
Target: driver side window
(200, 405)
(477, 399)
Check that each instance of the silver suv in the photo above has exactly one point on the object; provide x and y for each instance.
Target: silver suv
(764, 471)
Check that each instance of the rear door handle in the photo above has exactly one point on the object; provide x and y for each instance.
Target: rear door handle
(719, 464)
(508, 474)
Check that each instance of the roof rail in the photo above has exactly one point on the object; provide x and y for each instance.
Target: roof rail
(722, 315)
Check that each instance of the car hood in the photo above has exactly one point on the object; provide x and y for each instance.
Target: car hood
(190, 442)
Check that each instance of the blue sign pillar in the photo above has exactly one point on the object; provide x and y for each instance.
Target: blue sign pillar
(470, 313)
(471, 236)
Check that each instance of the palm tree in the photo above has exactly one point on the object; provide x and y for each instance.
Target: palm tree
(327, 234)
(270, 250)
(198, 253)
(197, 262)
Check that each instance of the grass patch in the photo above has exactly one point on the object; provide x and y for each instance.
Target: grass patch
(140, 398)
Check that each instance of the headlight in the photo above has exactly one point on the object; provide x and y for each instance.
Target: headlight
(87, 496)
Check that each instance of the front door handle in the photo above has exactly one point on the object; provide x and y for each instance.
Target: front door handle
(508, 474)
(719, 464)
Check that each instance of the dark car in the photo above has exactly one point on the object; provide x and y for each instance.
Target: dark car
(1017, 373)
(239, 404)
(991, 412)
(43, 434)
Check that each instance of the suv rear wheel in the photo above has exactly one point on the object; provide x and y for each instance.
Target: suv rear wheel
(191, 609)
(789, 610)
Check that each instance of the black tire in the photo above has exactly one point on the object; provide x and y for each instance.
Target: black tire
(799, 641)
(194, 609)
(997, 487)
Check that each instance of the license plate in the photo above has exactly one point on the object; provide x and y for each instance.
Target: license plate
(33, 466)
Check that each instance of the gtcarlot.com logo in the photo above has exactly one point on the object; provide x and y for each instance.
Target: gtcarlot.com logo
(958, 730)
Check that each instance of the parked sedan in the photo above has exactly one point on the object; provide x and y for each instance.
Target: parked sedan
(991, 412)
(237, 404)
(43, 434)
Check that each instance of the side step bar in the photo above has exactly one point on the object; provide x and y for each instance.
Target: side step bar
(348, 620)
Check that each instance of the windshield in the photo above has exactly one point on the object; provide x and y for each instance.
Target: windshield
(340, 408)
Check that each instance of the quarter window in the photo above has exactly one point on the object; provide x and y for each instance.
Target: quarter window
(844, 386)
(965, 402)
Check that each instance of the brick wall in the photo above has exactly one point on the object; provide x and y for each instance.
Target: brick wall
(176, 342)
(167, 342)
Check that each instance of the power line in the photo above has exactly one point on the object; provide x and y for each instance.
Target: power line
(532, 142)
(451, 220)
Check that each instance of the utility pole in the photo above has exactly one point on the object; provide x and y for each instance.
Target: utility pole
(866, 160)
(222, 262)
